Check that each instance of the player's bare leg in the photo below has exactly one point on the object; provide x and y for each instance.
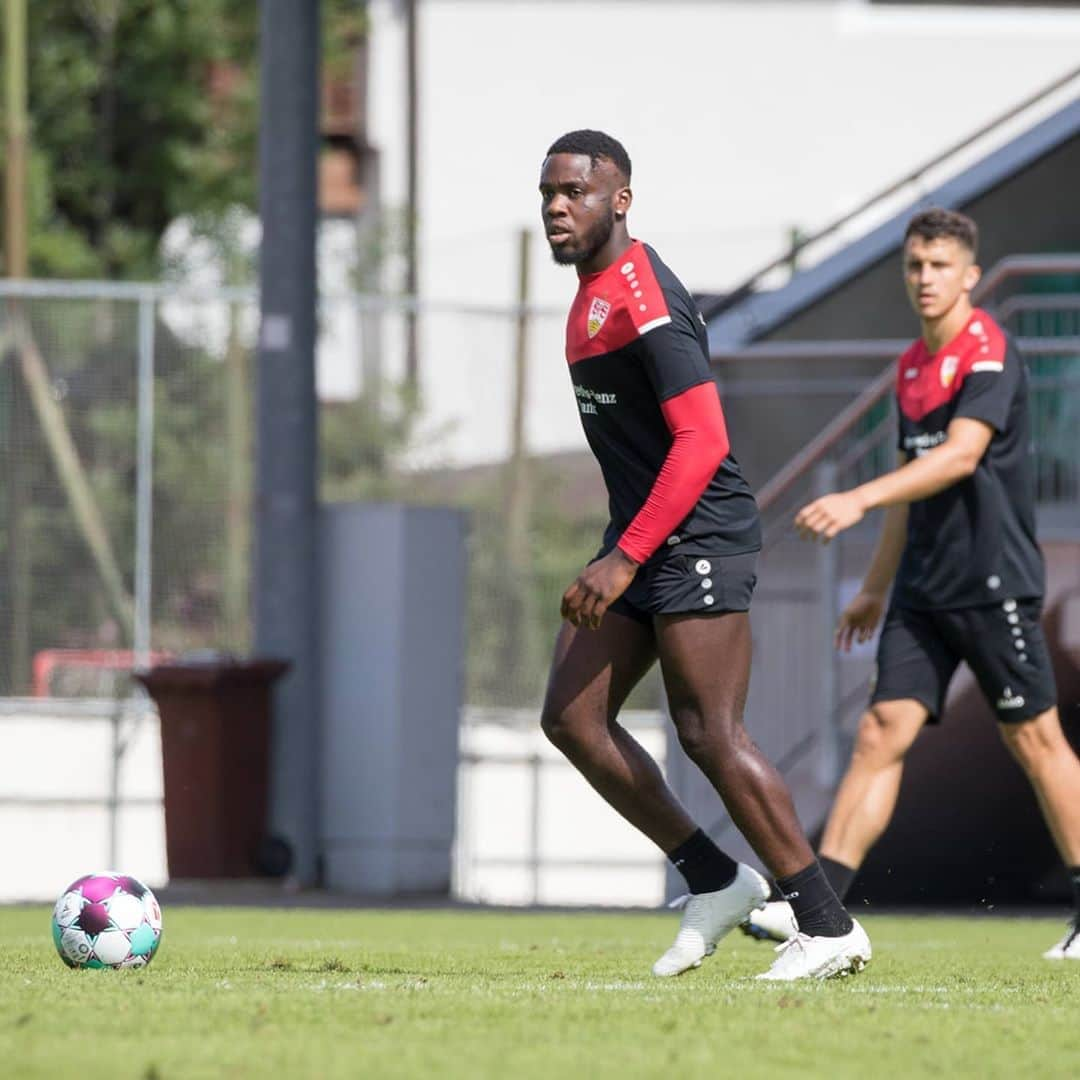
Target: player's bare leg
(1040, 746)
(1042, 750)
(592, 674)
(864, 802)
(706, 667)
(866, 797)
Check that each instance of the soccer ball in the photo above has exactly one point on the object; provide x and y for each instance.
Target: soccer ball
(106, 921)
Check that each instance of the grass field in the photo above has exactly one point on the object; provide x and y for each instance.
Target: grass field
(245, 992)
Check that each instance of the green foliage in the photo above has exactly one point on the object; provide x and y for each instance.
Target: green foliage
(126, 133)
(92, 362)
(243, 992)
(514, 598)
(141, 112)
(362, 442)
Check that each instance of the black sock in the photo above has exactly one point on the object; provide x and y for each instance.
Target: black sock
(840, 876)
(705, 867)
(1074, 880)
(818, 911)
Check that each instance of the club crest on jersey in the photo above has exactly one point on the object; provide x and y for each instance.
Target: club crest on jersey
(598, 314)
(948, 370)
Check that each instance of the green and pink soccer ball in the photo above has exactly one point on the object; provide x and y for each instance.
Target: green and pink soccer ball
(106, 921)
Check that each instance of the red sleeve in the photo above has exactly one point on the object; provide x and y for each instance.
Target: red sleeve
(700, 443)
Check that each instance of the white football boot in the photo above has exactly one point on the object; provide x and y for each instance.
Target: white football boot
(707, 917)
(774, 922)
(1068, 948)
(806, 957)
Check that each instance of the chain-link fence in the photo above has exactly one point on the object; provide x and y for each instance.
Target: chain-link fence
(126, 438)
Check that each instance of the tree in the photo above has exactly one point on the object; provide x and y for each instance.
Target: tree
(141, 112)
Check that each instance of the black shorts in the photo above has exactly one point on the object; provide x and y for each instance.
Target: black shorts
(690, 584)
(1003, 644)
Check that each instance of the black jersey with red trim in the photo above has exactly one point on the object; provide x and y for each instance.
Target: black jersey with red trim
(634, 340)
(973, 543)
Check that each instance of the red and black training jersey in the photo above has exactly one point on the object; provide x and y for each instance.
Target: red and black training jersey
(638, 358)
(973, 543)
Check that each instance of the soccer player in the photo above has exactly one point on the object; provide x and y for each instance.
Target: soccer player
(672, 580)
(958, 537)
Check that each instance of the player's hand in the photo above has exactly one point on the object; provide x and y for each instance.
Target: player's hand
(859, 620)
(597, 587)
(824, 518)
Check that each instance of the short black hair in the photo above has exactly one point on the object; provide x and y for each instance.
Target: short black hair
(936, 223)
(595, 145)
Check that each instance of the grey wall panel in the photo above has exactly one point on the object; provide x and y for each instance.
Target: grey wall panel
(393, 622)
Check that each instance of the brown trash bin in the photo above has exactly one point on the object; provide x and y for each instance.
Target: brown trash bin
(215, 748)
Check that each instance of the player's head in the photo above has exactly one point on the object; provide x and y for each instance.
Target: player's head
(940, 248)
(585, 194)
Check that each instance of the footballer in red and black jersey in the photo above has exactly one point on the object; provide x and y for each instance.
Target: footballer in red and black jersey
(973, 543)
(638, 358)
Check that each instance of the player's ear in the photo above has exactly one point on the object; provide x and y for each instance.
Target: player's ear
(971, 276)
(623, 198)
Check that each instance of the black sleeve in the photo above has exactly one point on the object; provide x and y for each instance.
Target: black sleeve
(988, 391)
(675, 358)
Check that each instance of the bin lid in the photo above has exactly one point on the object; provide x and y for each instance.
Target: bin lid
(211, 670)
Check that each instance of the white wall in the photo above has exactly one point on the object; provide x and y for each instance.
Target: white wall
(585, 853)
(55, 771)
(55, 763)
(741, 118)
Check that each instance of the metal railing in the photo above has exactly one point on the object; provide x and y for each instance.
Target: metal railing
(548, 837)
(1004, 272)
(804, 586)
(108, 794)
(127, 471)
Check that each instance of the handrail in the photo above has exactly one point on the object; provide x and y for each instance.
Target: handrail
(746, 288)
(1025, 302)
(825, 440)
(1024, 266)
(800, 464)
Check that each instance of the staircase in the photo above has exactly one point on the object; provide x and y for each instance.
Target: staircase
(805, 699)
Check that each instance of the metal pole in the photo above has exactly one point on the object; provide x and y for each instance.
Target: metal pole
(829, 763)
(15, 259)
(412, 142)
(535, 762)
(15, 241)
(285, 581)
(112, 813)
(144, 483)
(238, 485)
(19, 560)
(516, 646)
(521, 352)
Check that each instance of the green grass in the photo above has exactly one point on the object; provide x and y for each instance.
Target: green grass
(278, 994)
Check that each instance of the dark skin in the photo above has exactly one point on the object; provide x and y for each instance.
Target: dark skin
(584, 209)
(592, 674)
(600, 656)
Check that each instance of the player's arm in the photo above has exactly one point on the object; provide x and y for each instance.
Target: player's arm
(953, 460)
(699, 443)
(860, 618)
(966, 440)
